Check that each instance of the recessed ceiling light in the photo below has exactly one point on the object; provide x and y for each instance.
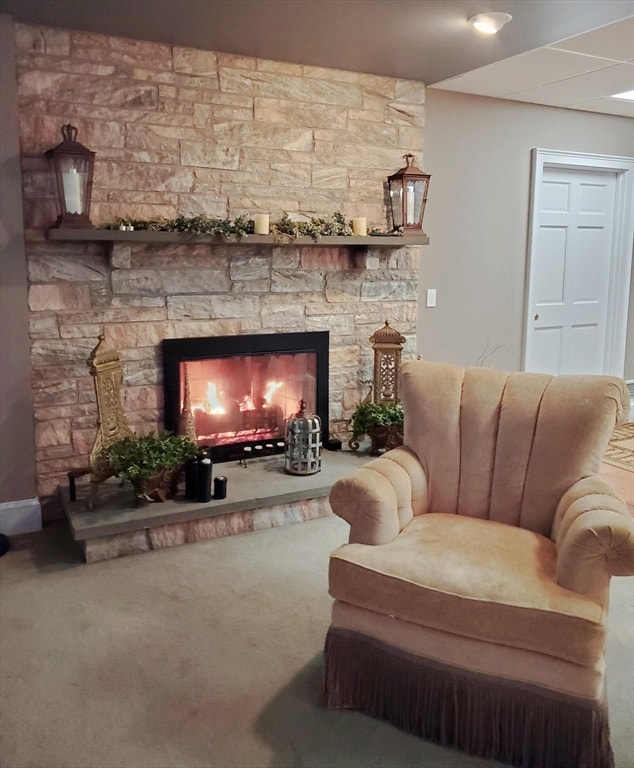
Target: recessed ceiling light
(626, 95)
(490, 23)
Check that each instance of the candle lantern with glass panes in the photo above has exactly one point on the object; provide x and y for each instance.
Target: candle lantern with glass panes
(72, 165)
(408, 189)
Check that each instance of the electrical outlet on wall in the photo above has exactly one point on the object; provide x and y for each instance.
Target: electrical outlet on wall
(431, 297)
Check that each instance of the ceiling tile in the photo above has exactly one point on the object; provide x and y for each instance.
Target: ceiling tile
(607, 107)
(553, 94)
(615, 41)
(603, 82)
(527, 70)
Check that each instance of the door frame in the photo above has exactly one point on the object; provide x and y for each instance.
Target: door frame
(621, 257)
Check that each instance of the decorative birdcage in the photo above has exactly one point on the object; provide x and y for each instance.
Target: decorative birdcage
(303, 443)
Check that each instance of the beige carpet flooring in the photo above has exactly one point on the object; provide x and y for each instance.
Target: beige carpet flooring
(204, 656)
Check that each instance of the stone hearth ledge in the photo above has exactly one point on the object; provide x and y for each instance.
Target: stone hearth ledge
(261, 495)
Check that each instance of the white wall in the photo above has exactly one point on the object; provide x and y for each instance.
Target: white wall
(478, 151)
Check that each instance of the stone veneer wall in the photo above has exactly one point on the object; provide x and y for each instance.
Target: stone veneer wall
(184, 131)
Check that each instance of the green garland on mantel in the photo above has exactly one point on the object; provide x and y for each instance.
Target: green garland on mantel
(284, 230)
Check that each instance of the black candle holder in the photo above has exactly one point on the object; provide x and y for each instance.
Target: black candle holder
(204, 480)
(220, 487)
(191, 480)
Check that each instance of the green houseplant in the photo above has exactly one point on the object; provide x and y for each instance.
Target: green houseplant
(152, 463)
(381, 422)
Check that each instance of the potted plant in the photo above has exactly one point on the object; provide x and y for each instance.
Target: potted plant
(152, 463)
(381, 422)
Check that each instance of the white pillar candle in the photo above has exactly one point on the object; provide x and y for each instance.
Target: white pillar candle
(410, 204)
(261, 223)
(360, 226)
(72, 190)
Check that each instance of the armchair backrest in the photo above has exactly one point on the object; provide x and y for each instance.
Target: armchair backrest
(506, 446)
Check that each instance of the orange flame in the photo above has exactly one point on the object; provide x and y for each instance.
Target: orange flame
(271, 387)
(214, 405)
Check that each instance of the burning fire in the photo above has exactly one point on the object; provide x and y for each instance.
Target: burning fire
(213, 405)
(248, 404)
(271, 388)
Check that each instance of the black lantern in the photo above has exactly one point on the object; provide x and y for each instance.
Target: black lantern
(408, 196)
(73, 165)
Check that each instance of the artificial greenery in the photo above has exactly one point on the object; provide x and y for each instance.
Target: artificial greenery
(199, 225)
(367, 416)
(138, 459)
(284, 230)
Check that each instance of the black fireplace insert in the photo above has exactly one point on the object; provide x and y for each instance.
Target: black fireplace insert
(237, 392)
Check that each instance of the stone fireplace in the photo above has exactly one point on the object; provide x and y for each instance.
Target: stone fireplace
(152, 302)
(178, 131)
(140, 294)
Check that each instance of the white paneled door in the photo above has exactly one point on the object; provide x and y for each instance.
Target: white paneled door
(575, 308)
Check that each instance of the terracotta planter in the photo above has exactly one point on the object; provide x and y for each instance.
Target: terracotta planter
(384, 438)
(161, 487)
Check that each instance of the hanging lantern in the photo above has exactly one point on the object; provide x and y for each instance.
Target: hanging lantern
(408, 196)
(72, 165)
(388, 344)
(303, 443)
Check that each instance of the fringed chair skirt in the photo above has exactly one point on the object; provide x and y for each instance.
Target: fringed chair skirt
(520, 724)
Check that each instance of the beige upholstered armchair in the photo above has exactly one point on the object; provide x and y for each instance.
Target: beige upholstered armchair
(470, 604)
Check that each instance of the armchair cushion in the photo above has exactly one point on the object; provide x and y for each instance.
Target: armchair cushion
(472, 578)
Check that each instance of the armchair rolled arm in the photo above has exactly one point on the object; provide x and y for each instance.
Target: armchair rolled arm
(594, 539)
(378, 500)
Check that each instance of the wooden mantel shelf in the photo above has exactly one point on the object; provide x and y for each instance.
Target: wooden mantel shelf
(151, 236)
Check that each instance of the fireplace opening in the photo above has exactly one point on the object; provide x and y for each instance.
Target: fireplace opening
(238, 392)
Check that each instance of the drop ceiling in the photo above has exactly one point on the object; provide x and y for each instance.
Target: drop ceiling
(580, 72)
(564, 53)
